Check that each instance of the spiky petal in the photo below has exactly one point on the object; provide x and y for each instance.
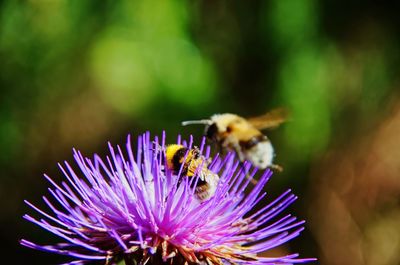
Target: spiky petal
(130, 206)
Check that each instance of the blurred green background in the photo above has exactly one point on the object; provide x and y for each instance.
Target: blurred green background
(79, 73)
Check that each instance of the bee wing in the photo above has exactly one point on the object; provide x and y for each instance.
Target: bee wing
(270, 119)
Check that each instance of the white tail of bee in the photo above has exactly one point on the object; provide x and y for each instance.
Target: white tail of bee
(206, 122)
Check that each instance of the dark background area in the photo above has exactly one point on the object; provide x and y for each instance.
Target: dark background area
(81, 73)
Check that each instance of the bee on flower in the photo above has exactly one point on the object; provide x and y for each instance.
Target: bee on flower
(191, 164)
(134, 207)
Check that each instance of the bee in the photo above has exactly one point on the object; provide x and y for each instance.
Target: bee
(232, 132)
(190, 160)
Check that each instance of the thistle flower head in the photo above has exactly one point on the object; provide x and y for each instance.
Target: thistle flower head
(131, 206)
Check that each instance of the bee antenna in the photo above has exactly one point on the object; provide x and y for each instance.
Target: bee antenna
(206, 122)
(156, 147)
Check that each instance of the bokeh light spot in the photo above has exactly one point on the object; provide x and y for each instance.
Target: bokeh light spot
(120, 71)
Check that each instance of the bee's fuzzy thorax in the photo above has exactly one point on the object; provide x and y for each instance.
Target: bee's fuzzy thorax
(223, 120)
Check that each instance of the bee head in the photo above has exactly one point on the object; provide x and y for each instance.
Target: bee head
(211, 131)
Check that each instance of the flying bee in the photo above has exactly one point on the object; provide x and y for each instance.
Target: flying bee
(232, 132)
(190, 160)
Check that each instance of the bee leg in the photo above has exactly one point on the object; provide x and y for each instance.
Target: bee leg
(238, 150)
(276, 167)
(252, 180)
(220, 147)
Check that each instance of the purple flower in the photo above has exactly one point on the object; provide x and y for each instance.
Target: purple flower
(130, 206)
